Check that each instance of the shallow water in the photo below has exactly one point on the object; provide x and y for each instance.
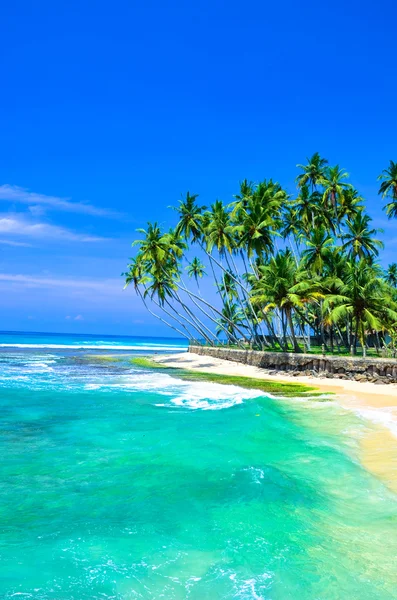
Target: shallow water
(122, 483)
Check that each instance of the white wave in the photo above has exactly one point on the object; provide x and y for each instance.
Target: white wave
(387, 417)
(88, 346)
(185, 394)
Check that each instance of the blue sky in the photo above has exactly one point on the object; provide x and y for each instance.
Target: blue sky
(109, 111)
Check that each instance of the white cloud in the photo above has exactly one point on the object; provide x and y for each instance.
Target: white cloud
(13, 193)
(76, 318)
(15, 225)
(13, 243)
(104, 285)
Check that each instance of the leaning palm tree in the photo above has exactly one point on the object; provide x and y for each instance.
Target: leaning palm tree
(190, 217)
(388, 188)
(313, 172)
(137, 276)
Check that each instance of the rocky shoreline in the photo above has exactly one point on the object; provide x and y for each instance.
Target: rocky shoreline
(379, 371)
(352, 376)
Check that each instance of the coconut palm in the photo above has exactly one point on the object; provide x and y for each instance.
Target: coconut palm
(196, 269)
(350, 204)
(284, 287)
(362, 298)
(154, 247)
(319, 245)
(359, 241)
(313, 172)
(388, 188)
(333, 242)
(136, 276)
(190, 217)
(391, 275)
(219, 231)
(255, 226)
(334, 187)
(231, 319)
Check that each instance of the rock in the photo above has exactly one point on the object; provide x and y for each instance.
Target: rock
(329, 375)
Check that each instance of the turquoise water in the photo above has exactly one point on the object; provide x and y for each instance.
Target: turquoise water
(117, 482)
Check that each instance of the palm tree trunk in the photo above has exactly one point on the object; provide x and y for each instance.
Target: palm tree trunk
(160, 318)
(192, 295)
(248, 301)
(193, 324)
(291, 326)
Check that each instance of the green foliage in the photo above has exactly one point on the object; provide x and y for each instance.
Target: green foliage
(324, 280)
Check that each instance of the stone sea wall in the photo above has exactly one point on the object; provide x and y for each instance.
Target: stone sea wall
(383, 370)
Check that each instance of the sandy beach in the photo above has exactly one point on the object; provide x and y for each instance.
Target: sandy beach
(376, 403)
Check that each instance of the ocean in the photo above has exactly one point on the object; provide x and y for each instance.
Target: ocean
(122, 482)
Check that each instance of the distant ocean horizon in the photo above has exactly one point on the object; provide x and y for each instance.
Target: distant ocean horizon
(89, 341)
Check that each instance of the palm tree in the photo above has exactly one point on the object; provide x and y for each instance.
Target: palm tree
(255, 226)
(319, 247)
(228, 287)
(359, 241)
(350, 204)
(258, 285)
(154, 247)
(190, 217)
(362, 298)
(284, 287)
(388, 188)
(136, 275)
(232, 318)
(334, 187)
(391, 275)
(219, 231)
(313, 172)
(196, 269)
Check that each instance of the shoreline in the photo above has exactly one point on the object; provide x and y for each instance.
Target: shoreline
(375, 395)
(375, 403)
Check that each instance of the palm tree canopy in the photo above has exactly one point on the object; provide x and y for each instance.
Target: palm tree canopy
(391, 274)
(388, 188)
(363, 297)
(313, 171)
(319, 247)
(334, 186)
(359, 241)
(190, 217)
(196, 268)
